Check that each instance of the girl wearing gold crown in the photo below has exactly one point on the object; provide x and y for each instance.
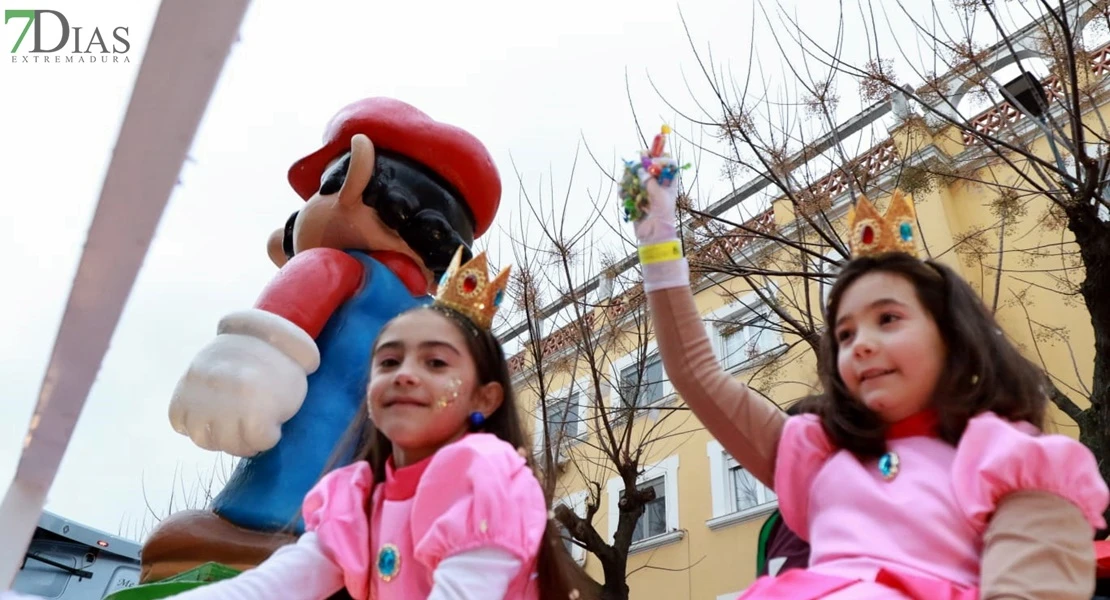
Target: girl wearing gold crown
(439, 503)
(924, 473)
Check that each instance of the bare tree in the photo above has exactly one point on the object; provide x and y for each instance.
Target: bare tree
(183, 496)
(1037, 155)
(601, 407)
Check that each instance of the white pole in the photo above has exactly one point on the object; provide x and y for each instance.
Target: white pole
(187, 49)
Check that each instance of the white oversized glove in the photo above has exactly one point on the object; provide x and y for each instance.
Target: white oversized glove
(658, 224)
(649, 192)
(245, 384)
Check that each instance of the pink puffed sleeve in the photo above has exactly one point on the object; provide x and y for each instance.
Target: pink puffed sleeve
(996, 457)
(803, 450)
(478, 493)
(336, 510)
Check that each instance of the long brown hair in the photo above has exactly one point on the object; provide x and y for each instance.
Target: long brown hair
(983, 370)
(557, 572)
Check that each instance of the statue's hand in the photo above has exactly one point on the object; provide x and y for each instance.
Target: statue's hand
(246, 383)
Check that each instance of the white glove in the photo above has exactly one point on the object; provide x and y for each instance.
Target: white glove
(650, 204)
(245, 384)
(659, 224)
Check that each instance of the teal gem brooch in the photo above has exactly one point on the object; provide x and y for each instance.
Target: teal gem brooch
(888, 465)
(389, 562)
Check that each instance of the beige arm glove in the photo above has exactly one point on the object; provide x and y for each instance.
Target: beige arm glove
(1038, 546)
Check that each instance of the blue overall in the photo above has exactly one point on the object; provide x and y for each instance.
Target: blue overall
(265, 491)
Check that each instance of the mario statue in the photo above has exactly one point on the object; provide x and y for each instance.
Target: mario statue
(390, 197)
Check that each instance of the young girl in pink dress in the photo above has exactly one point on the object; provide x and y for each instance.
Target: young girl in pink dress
(442, 505)
(924, 474)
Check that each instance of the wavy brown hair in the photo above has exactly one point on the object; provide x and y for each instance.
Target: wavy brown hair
(557, 572)
(983, 370)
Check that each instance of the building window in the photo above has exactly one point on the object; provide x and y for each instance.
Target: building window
(639, 382)
(736, 495)
(654, 520)
(746, 492)
(642, 384)
(577, 503)
(747, 338)
(564, 416)
(568, 541)
(565, 413)
(744, 331)
(659, 523)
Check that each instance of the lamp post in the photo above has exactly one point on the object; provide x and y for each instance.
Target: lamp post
(1026, 93)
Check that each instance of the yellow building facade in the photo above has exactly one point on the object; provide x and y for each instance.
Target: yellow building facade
(698, 539)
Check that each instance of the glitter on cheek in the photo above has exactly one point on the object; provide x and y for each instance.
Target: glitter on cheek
(451, 394)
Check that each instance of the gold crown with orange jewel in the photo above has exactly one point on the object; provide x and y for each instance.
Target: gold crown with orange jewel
(468, 290)
(894, 231)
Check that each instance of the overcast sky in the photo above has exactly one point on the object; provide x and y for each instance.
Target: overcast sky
(532, 80)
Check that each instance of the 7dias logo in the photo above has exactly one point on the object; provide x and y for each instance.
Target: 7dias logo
(54, 40)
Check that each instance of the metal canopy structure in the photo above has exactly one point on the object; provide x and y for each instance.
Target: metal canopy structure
(185, 55)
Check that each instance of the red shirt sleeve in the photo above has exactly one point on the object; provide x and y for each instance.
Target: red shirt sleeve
(311, 286)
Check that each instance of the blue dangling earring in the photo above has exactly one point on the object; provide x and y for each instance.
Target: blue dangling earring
(476, 419)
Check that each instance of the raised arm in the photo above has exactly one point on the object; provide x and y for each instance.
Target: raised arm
(747, 425)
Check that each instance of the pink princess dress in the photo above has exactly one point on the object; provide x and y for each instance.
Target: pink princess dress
(472, 496)
(910, 525)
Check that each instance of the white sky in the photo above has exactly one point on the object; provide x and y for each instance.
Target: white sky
(530, 79)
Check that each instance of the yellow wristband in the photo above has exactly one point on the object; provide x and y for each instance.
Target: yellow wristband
(663, 252)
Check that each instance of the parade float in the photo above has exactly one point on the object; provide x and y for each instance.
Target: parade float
(389, 198)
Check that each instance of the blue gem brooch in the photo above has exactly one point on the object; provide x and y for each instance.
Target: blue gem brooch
(389, 562)
(888, 465)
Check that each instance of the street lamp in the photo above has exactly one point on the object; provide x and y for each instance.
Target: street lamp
(1026, 93)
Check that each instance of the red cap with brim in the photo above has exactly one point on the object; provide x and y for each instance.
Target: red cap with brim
(392, 125)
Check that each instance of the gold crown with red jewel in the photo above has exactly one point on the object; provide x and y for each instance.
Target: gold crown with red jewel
(468, 290)
(870, 233)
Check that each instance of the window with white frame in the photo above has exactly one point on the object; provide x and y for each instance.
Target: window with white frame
(568, 541)
(744, 331)
(745, 491)
(577, 503)
(565, 414)
(654, 520)
(659, 523)
(736, 494)
(747, 338)
(641, 384)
